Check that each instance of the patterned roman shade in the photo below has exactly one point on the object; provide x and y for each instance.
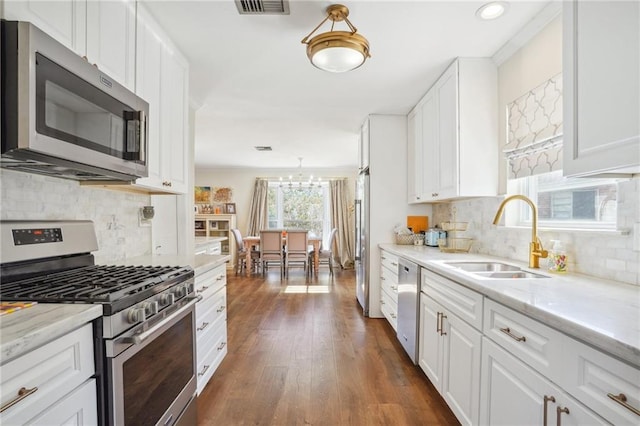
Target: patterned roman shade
(534, 140)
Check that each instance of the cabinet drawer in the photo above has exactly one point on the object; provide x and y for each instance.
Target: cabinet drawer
(212, 359)
(389, 309)
(389, 261)
(389, 283)
(205, 338)
(209, 310)
(459, 300)
(591, 376)
(81, 405)
(55, 369)
(211, 281)
(531, 341)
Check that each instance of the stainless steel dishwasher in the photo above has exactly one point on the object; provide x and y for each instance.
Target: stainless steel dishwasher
(408, 300)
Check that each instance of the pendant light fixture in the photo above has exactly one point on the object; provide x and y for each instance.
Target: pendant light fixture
(337, 51)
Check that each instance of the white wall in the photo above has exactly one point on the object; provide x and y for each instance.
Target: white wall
(242, 180)
(27, 196)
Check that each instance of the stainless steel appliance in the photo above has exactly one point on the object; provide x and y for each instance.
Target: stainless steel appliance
(64, 117)
(362, 260)
(145, 340)
(408, 307)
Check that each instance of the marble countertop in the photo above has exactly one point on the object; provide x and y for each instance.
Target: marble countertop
(200, 241)
(29, 328)
(603, 313)
(200, 263)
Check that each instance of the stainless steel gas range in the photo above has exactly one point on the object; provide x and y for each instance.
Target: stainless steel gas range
(145, 340)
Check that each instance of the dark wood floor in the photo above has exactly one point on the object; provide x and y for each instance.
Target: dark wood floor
(301, 353)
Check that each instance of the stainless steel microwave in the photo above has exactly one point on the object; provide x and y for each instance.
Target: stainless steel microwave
(62, 116)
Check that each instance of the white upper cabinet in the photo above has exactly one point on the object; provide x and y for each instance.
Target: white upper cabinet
(414, 155)
(111, 39)
(601, 71)
(65, 21)
(162, 80)
(456, 128)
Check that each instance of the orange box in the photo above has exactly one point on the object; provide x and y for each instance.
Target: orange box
(418, 223)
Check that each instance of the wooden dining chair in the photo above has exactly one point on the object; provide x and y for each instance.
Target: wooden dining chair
(241, 254)
(296, 250)
(325, 256)
(271, 250)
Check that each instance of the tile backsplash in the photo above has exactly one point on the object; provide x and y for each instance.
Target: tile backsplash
(599, 254)
(114, 213)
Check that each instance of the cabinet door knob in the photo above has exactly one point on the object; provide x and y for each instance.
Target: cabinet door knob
(546, 400)
(22, 394)
(508, 332)
(622, 400)
(559, 412)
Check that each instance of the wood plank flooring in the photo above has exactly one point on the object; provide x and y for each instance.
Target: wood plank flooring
(301, 353)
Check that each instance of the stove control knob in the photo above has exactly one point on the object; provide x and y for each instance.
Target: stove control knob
(136, 315)
(180, 291)
(150, 308)
(167, 299)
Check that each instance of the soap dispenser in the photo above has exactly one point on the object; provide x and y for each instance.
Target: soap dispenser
(557, 257)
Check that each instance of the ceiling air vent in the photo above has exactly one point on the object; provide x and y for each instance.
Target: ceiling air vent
(263, 7)
(263, 148)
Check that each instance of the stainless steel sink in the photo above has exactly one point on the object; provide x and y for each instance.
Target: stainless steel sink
(483, 266)
(509, 275)
(494, 270)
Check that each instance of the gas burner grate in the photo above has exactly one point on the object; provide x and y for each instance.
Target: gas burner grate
(92, 284)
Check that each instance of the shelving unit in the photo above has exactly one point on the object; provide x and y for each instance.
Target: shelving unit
(218, 225)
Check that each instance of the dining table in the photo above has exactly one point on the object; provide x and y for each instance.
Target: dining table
(251, 241)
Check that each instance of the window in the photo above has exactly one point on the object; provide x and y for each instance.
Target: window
(300, 206)
(566, 202)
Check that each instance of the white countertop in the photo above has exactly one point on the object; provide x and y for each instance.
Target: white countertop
(603, 313)
(200, 263)
(24, 330)
(202, 241)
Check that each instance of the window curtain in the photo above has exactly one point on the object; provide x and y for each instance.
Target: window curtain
(258, 209)
(534, 142)
(341, 218)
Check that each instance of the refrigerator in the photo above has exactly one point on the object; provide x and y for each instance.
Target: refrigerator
(362, 206)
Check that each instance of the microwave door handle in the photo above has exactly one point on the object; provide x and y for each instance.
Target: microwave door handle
(136, 133)
(142, 119)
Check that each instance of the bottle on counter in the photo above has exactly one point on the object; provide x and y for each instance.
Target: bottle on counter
(558, 257)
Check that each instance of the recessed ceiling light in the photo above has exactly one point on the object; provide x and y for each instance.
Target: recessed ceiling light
(492, 10)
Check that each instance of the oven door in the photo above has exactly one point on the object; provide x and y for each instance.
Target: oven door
(152, 368)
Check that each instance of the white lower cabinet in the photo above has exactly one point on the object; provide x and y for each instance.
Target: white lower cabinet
(449, 355)
(389, 287)
(514, 394)
(211, 323)
(52, 385)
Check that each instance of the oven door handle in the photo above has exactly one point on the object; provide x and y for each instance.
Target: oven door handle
(140, 338)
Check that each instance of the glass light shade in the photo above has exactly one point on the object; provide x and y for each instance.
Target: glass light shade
(338, 51)
(337, 59)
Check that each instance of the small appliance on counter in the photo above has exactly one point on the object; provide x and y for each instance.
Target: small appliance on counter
(432, 236)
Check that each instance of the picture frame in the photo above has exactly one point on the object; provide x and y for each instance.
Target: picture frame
(230, 208)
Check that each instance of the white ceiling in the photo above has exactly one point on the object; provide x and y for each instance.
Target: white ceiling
(252, 83)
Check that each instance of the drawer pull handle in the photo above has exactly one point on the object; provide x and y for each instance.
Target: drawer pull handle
(22, 394)
(220, 309)
(393, 315)
(204, 370)
(203, 326)
(220, 277)
(441, 316)
(381, 302)
(394, 287)
(559, 412)
(394, 263)
(546, 400)
(507, 331)
(202, 289)
(622, 400)
(222, 345)
(382, 278)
